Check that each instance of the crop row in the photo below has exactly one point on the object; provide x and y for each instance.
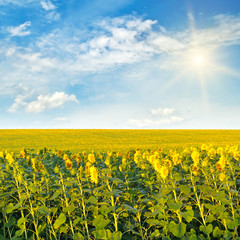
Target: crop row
(137, 194)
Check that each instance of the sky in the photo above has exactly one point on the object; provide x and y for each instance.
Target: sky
(120, 64)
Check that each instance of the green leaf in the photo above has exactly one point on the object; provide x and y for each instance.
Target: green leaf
(93, 200)
(114, 236)
(210, 218)
(155, 234)
(23, 197)
(129, 208)
(55, 195)
(153, 222)
(174, 205)
(105, 210)
(9, 208)
(41, 227)
(21, 221)
(188, 215)
(224, 215)
(206, 229)
(64, 229)
(69, 209)
(217, 233)
(99, 222)
(177, 177)
(209, 206)
(18, 233)
(61, 219)
(44, 210)
(220, 196)
(178, 230)
(117, 235)
(32, 188)
(100, 234)
(117, 180)
(227, 235)
(185, 189)
(205, 189)
(166, 238)
(2, 237)
(10, 223)
(218, 209)
(192, 237)
(78, 236)
(231, 224)
(77, 220)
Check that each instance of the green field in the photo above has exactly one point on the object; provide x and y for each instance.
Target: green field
(189, 194)
(78, 140)
(119, 184)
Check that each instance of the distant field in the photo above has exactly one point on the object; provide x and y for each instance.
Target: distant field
(78, 140)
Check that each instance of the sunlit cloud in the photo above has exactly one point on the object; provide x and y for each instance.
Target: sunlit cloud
(20, 30)
(67, 56)
(162, 111)
(123, 40)
(18, 102)
(43, 102)
(159, 117)
(154, 123)
(18, 2)
(48, 5)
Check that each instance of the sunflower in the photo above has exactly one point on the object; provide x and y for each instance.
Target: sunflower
(68, 164)
(164, 172)
(94, 174)
(91, 158)
(195, 157)
(10, 159)
(222, 176)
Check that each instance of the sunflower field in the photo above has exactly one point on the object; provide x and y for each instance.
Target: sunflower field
(189, 193)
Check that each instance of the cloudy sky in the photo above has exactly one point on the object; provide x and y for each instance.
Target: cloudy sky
(120, 64)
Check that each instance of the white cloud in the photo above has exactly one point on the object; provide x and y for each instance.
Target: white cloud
(112, 43)
(162, 111)
(47, 102)
(53, 16)
(17, 2)
(159, 117)
(48, 5)
(5, 2)
(20, 30)
(10, 52)
(155, 123)
(35, 62)
(18, 102)
(43, 102)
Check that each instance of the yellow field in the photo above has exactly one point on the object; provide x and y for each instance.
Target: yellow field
(164, 190)
(78, 140)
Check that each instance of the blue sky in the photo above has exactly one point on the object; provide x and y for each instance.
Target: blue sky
(144, 64)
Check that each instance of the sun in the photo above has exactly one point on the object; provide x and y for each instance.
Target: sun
(198, 60)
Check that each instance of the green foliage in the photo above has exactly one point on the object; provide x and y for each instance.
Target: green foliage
(137, 194)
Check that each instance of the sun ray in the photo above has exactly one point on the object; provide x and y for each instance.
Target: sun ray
(173, 81)
(199, 63)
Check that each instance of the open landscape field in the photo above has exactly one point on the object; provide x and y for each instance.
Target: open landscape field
(79, 140)
(110, 120)
(119, 184)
